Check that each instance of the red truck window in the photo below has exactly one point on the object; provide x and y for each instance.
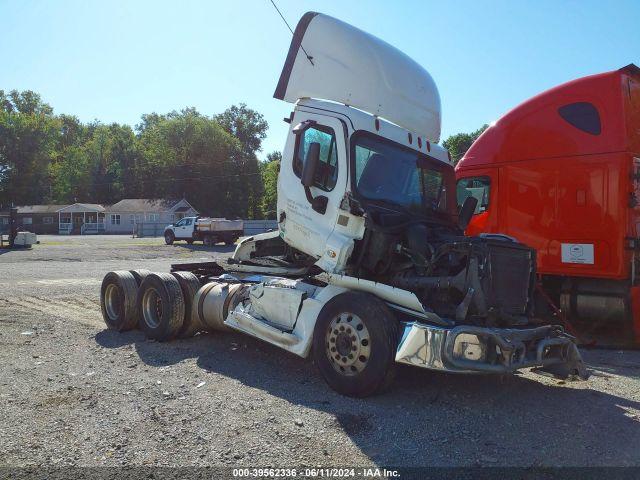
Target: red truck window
(582, 115)
(478, 187)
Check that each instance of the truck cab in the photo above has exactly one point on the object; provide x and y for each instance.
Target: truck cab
(183, 229)
(560, 173)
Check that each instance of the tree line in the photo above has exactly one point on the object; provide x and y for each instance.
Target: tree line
(210, 160)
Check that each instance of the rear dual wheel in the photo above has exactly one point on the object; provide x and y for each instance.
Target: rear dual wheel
(354, 344)
(118, 300)
(189, 284)
(161, 305)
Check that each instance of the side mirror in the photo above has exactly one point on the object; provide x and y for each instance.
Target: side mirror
(466, 212)
(310, 165)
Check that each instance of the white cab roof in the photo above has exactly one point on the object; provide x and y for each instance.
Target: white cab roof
(349, 66)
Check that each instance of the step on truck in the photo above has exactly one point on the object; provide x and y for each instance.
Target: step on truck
(561, 173)
(207, 230)
(369, 267)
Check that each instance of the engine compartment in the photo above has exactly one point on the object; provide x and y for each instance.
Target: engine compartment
(486, 280)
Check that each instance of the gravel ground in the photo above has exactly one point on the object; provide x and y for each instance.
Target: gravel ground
(73, 393)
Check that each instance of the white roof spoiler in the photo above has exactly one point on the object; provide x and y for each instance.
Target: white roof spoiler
(346, 65)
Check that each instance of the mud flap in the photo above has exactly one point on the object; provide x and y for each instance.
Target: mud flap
(574, 367)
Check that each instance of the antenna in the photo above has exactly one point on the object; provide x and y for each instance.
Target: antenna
(309, 57)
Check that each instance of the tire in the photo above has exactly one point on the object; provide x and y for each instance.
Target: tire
(208, 241)
(140, 275)
(372, 367)
(118, 301)
(161, 306)
(169, 238)
(189, 284)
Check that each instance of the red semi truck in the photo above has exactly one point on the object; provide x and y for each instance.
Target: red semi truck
(561, 173)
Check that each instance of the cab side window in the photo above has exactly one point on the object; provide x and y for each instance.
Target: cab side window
(188, 221)
(327, 172)
(477, 187)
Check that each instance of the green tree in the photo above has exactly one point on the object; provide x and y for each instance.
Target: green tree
(250, 128)
(28, 137)
(459, 143)
(188, 154)
(270, 169)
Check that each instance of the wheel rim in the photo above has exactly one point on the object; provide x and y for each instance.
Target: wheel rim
(152, 307)
(348, 344)
(112, 302)
(167, 238)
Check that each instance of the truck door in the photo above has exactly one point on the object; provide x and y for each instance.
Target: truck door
(182, 229)
(304, 225)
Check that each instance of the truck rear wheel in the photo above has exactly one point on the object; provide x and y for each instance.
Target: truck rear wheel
(139, 275)
(118, 300)
(189, 284)
(161, 306)
(354, 344)
(169, 237)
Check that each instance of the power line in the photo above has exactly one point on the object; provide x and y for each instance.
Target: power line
(309, 57)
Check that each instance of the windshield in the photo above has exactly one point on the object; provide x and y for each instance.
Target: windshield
(389, 172)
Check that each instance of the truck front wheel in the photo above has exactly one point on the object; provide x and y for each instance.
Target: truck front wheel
(354, 344)
(169, 237)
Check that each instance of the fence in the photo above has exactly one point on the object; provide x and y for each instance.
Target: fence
(251, 227)
(92, 228)
(148, 229)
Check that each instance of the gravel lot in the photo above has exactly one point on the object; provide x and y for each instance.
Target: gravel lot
(73, 393)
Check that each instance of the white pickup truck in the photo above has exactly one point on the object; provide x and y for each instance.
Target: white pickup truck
(209, 230)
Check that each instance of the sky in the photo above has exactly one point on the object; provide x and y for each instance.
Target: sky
(115, 60)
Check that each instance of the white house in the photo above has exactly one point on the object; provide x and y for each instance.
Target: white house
(81, 218)
(130, 214)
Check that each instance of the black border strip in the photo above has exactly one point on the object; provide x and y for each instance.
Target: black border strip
(631, 68)
(296, 42)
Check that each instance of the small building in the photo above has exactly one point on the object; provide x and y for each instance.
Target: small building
(79, 218)
(39, 219)
(144, 216)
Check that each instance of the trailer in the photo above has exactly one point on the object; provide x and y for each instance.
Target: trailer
(207, 230)
(561, 173)
(369, 266)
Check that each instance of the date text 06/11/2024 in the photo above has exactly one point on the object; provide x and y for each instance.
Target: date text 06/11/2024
(317, 472)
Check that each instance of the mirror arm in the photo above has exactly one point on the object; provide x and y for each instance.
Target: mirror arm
(307, 192)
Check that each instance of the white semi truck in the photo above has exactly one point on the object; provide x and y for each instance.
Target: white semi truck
(208, 230)
(369, 266)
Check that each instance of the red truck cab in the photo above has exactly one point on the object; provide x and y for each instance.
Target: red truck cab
(561, 173)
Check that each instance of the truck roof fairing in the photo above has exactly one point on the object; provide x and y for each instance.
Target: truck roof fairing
(538, 127)
(352, 67)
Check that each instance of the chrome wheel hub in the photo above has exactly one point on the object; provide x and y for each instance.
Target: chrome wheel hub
(152, 308)
(112, 302)
(348, 344)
